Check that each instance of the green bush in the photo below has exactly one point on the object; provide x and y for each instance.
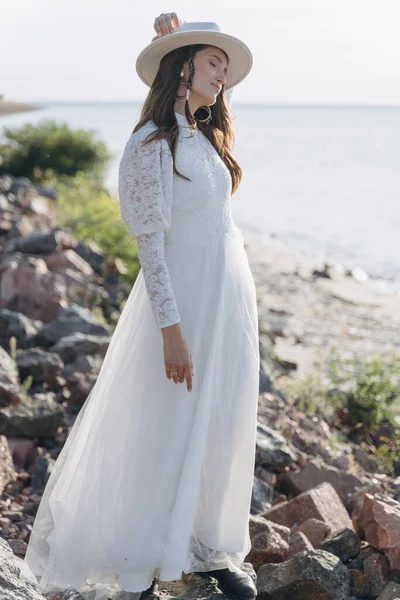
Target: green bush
(49, 149)
(366, 389)
(94, 216)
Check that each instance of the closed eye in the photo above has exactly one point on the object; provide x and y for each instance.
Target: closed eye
(213, 64)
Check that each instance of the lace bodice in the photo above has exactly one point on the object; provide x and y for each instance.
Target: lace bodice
(160, 209)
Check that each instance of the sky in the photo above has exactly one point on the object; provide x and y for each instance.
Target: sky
(305, 51)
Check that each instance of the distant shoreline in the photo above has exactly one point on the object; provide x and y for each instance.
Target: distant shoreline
(9, 108)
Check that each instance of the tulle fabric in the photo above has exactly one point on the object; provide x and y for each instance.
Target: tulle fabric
(154, 480)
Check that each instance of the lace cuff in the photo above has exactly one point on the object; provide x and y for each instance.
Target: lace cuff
(157, 278)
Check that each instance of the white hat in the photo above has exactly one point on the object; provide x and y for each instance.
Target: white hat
(240, 57)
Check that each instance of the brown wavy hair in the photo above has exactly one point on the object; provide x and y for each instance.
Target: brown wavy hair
(159, 108)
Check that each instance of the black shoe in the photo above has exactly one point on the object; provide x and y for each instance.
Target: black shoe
(152, 592)
(238, 585)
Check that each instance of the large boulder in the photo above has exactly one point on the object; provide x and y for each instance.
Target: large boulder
(391, 592)
(70, 320)
(314, 574)
(13, 324)
(16, 580)
(72, 346)
(381, 524)
(315, 473)
(272, 449)
(322, 503)
(40, 416)
(269, 542)
(40, 365)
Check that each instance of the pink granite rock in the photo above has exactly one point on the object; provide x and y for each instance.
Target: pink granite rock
(269, 542)
(321, 503)
(381, 521)
(298, 543)
(316, 531)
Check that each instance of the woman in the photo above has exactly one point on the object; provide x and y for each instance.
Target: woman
(155, 479)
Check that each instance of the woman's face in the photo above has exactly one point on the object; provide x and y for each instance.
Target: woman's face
(210, 67)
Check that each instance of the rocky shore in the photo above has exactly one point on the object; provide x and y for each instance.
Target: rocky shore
(325, 521)
(8, 107)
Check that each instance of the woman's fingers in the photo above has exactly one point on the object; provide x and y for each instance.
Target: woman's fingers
(166, 23)
(178, 373)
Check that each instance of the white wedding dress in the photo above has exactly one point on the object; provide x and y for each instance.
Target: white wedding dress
(153, 479)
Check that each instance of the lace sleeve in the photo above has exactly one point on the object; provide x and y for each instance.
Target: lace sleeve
(157, 279)
(145, 184)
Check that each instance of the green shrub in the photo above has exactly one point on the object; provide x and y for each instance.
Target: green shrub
(365, 389)
(49, 149)
(388, 453)
(93, 215)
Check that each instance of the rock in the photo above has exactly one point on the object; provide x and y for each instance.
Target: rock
(313, 474)
(376, 570)
(315, 530)
(269, 542)
(345, 545)
(359, 583)
(41, 473)
(16, 579)
(43, 243)
(366, 461)
(381, 523)
(79, 386)
(28, 287)
(13, 324)
(261, 496)
(40, 365)
(68, 259)
(73, 346)
(71, 320)
(7, 471)
(23, 451)
(272, 449)
(315, 575)
(320, 503)
(391, 592)
(90, 252)
(298, 543)
(9, 384)
(39, 416)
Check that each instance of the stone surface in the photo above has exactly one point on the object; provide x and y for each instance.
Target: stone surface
(345, 545)
(272, 449)
(16, 581)
(359, 583)
(312, 575)
(13, 324)
(320, 503)
(261, 496)
(315, 530)
(391, 592)
(269, 542)
(41, 366)
(376, 570)
(38, 416)
(76, 344)
(7, 471)
(313, 474)
(71, 320)
(9, 385)
(298, 543)
(381, 524)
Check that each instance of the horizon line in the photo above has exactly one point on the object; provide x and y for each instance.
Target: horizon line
(238, 104)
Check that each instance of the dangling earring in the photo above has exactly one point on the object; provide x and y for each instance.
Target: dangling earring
(208, 117)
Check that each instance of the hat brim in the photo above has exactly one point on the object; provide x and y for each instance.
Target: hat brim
(240, 57)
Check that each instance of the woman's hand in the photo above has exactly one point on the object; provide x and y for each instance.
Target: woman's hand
(177, 357)
(166, 23)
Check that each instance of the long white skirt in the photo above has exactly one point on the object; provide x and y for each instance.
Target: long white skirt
(154, 480)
